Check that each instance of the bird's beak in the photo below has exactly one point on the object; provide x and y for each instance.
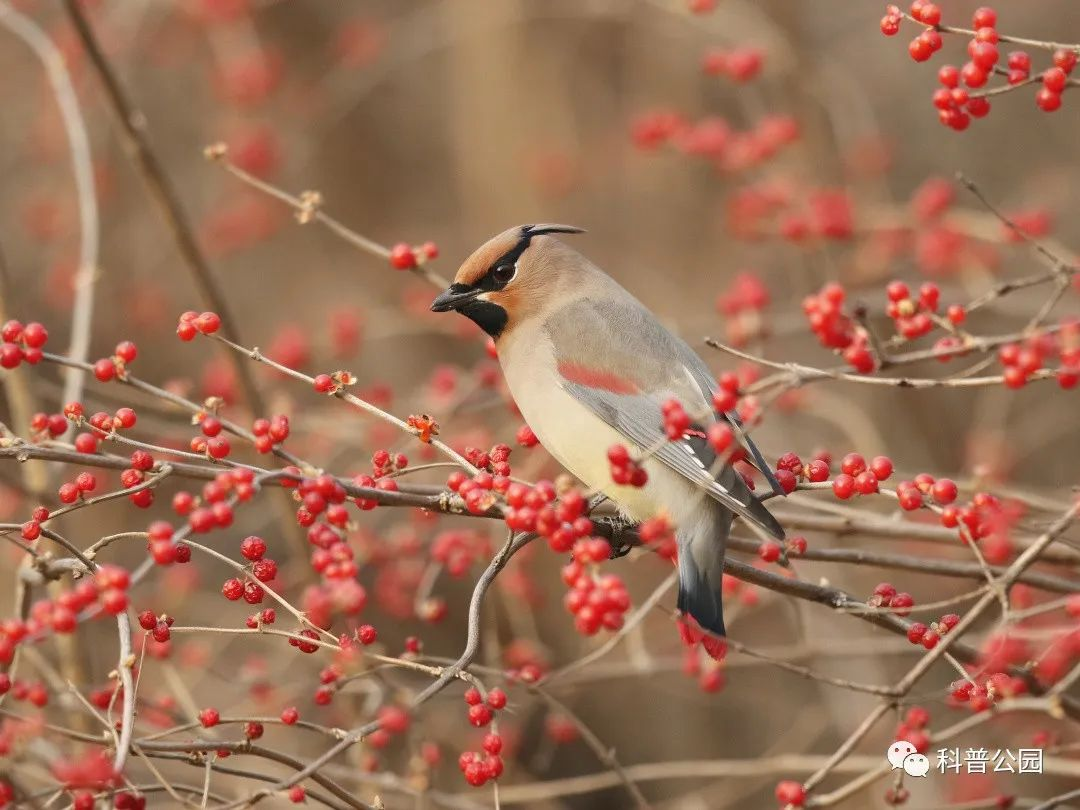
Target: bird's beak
(456, 296)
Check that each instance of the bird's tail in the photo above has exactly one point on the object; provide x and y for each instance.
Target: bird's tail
(701, 540)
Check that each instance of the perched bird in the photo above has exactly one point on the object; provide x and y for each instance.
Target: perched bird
(590, 367)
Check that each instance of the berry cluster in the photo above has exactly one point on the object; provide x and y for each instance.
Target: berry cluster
(956, 105)
(496, 460)
(115, 367)
(929, 635)
(767, 208)
(156, 626)
(269, 432)
(480, 768)
(737, 64)
(835, 329)
(886, 596)
(742, 304)
(595, 600)
(192, 324)
(770, 551)
(35, 693)
(912, 728)
(21, 343)
(1020, 361)
(790, 470)
(458, 549)
(625, 470)
(857, 477)
(405, 257)
(983, 691)
(713, 139)
(711, 674)
(107, 589)
(213, 510)
(658, 533)
(525, 437)
(915, 317)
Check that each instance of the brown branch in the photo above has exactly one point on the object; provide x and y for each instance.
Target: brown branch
(132, 123)
(946, 568)
(309, 208)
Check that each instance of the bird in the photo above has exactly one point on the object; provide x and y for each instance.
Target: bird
(589, 367)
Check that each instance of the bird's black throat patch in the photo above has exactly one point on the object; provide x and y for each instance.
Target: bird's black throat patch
(488, 316)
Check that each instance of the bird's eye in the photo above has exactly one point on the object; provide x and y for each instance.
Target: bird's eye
(504, 273)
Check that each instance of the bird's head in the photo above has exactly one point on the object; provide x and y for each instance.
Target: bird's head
(506, 278)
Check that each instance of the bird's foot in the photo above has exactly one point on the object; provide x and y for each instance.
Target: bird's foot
(620, 545)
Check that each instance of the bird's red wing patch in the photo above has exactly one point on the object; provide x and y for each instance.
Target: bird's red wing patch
(597, 378)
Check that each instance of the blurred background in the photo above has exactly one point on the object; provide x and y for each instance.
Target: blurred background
(451, 121)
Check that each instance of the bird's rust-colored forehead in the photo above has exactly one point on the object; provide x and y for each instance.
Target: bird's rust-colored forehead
(474, 267)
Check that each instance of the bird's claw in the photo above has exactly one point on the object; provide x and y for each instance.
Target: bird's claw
(618, 525)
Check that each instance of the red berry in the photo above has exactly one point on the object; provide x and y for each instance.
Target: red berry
(1054, 79)
(984, 17)
(890, 25)
(35, 335)
(114, 601)
(916, 631)
(866, 483)
(125, 417)
(366, 634)
(86, 443)
(479, 715)
(104, 369)
(920, 49)
(402, 257)
(852, 464)
(843, 486)
(209, 718)
(770, 551)
(1047, 100)
(218, 447)
(881, 467)
(902, 604)
(253, 548)
(126, 351)
(944, 491)
(208, 323)
(1064, 59)
(790, 793)
(232, 589)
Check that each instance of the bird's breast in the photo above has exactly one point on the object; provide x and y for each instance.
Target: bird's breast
(577, 438)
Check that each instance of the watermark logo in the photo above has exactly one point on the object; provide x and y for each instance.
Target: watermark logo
(902, 754)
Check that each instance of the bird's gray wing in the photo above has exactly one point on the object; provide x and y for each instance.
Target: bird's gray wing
(617, 360)
(704, 378)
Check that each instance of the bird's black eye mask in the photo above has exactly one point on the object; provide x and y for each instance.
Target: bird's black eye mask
(504, 268)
